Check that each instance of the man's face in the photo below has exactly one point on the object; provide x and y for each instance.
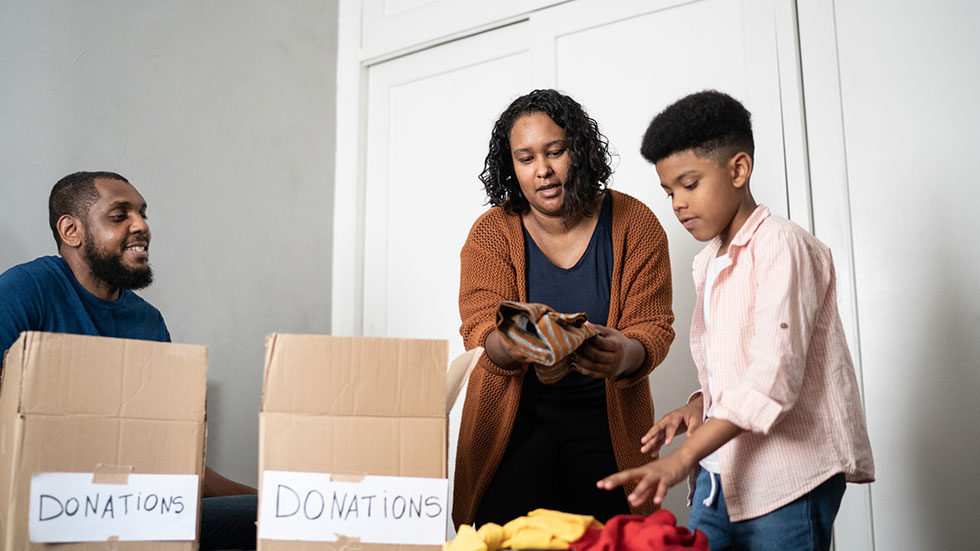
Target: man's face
(117, 237)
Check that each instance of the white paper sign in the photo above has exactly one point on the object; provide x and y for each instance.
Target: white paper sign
(379, 509)
(68, 507)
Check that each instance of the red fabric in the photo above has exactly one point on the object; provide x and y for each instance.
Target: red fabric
(657, 532)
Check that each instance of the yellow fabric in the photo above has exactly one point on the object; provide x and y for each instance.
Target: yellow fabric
(493, 535)
(540, 529)
(467, 539)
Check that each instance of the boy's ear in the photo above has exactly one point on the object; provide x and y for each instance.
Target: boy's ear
(741, 169)
(71, 230)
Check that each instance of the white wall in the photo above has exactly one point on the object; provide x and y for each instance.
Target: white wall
(222, 114)
(909, 88)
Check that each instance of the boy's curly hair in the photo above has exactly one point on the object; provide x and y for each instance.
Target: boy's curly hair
(589, 168)
(711, 123)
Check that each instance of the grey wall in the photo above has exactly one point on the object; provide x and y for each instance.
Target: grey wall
(909, 87)
(222, 114)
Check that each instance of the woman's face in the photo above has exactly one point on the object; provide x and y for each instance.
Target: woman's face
(539, 150)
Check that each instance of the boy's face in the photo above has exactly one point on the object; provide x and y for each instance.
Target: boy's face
(705, 194)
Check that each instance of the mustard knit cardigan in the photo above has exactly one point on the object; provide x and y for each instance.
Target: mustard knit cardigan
(492, 270)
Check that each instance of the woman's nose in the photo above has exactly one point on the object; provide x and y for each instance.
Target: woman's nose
(543, 168)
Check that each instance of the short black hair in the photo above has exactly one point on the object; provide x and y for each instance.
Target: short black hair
(74, 195)
(711, 123)
(590, 161)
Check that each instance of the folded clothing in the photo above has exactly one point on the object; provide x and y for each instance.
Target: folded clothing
(540, 529)
(536, 334)
(657, 532)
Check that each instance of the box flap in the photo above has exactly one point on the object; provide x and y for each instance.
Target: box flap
(343, 445)
(355, 376)
(84, 375)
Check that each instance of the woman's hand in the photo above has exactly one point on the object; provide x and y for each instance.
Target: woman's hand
(497, 352)
(609, 354)
(682, 419)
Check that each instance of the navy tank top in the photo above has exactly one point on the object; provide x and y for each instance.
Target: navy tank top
(582, 288)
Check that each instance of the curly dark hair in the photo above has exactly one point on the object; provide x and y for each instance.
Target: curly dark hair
(75, 194)
(711, 123)
(589, 168)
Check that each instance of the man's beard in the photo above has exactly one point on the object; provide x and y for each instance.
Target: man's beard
(109, 268)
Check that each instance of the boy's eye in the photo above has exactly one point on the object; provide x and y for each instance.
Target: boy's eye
(691, 186)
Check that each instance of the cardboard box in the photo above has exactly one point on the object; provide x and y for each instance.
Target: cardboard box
(108, 408)
(353, 407)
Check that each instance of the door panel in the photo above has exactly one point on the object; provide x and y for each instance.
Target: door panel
(429, 122)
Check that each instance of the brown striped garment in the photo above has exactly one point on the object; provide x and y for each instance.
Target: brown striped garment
(534, 333)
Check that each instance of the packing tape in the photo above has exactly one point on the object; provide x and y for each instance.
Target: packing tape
(111, 474)
(347, 477)
(459, 373)
(344, 543)
(112, 544)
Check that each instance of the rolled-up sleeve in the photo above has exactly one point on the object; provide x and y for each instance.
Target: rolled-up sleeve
(785, 300)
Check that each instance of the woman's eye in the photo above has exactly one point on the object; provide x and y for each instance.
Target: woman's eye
(557, 153)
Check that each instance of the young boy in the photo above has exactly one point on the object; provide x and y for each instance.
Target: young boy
(783, 427)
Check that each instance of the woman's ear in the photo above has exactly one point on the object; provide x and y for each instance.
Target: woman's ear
(741, 169)
(71, 231)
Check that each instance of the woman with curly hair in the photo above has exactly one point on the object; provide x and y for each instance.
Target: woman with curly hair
(556, 235)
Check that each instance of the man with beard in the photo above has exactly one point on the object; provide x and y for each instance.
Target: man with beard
(99, 223)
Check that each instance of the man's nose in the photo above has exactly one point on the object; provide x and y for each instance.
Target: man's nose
(139, 225)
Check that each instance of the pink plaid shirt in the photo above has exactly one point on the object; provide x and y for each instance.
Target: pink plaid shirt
(780, 367)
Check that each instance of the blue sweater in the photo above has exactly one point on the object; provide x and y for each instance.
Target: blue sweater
(43, 295)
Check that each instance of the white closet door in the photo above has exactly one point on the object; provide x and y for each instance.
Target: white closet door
(429, 121)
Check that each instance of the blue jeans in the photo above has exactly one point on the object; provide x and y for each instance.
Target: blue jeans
(228, 522)
(803, 525)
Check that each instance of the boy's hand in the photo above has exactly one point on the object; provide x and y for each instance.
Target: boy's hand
(609, 354)
(682, 419)
(654, 478)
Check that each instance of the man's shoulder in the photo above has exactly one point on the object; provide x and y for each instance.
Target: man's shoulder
(39, 271)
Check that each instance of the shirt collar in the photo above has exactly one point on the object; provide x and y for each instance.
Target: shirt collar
(741, 239)
(748, 229)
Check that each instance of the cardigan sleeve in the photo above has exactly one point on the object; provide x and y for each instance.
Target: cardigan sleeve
(487, 276)
(646, 292)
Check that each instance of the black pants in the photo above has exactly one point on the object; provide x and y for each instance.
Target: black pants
(557, 451)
